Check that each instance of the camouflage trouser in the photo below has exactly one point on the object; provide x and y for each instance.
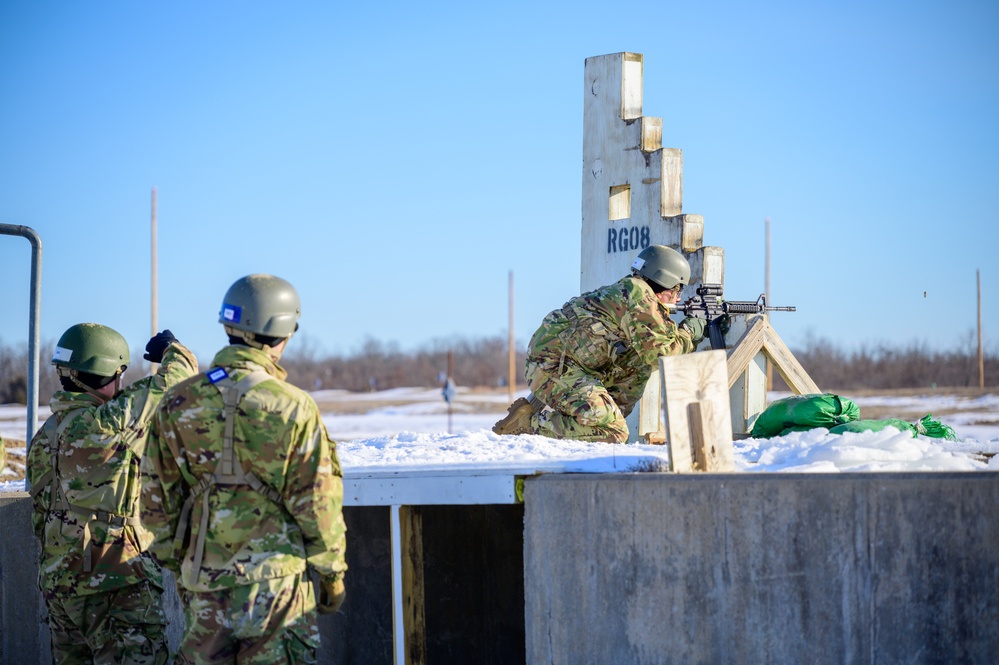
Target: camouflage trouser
(581, 407)
(273, 621)
(125, 625)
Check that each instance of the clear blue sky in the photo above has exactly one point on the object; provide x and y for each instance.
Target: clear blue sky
(396, 160)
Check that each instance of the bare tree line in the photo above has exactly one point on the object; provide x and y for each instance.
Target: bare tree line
(888, 366)
(483, 362)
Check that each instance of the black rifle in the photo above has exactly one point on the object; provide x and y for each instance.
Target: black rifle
(710, 304)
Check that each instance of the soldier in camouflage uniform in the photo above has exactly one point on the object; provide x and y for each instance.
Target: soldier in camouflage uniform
(102, 590)
(243, 491)
(588, 363)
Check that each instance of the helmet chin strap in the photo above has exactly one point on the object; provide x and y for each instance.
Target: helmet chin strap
(74, 375)
(251, 340)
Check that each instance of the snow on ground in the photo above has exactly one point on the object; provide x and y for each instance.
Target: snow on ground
(412, 434)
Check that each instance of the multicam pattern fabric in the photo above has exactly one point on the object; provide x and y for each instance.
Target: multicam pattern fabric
(126, 625)
(264, 619)
(102, 591)
(97, 459)
(590, 360)
(250, 539)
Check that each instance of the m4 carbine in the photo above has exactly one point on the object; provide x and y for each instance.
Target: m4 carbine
(709, 304)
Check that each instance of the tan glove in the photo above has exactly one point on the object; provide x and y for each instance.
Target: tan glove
(331, 595)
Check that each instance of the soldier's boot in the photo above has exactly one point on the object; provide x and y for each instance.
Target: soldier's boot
(517, 419)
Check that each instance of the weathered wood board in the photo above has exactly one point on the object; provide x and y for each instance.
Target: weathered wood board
(696, 411)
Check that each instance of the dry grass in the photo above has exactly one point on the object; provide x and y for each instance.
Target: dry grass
(14, 469)
(902, 411)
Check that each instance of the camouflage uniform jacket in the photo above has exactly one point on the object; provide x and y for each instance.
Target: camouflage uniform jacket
(280, 438)
(615, 333)
(97, 451)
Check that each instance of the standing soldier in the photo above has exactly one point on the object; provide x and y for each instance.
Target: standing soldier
(243, 491)
(102, 590)
(588, 363)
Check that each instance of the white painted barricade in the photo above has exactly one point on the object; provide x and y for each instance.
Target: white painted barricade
(633, 197)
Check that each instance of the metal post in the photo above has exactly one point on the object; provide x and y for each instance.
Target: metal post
(981, 356)
(766, 290)
(154, 297)
(398, 623)
(34, 327)
(512, 356)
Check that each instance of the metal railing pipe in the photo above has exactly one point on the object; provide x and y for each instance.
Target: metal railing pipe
(34, 327)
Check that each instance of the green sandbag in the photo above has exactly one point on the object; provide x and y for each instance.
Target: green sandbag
(874, 426)
(803, 412)
(934, 428)
(925, 426)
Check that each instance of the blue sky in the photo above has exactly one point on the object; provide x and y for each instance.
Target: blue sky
(395, 161)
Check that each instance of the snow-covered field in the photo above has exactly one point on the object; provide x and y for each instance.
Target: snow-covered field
(407, 429)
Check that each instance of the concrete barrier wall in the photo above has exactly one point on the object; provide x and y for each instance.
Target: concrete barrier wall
(810, 568)
(655, 568)
(24, 635)
(473, 575)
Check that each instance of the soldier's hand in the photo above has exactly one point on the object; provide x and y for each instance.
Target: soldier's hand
(157, 345)
(695, 327)
(331, 596)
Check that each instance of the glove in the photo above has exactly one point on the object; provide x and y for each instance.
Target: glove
(695, 327)
(157, 345)
(331, 595)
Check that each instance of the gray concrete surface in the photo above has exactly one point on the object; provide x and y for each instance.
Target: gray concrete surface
(24, 635)
(745, 568)
(656, 568)
(473, 571)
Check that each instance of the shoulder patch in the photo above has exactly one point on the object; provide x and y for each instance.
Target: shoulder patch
(217, 374)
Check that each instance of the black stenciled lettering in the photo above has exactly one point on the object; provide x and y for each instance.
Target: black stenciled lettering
(633, 237)
(645, 237)
(611, 240)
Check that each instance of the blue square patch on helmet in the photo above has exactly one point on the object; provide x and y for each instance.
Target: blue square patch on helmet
(232, 313)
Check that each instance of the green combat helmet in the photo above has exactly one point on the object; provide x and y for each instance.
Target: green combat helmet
(663, 265)
(260, 306)
(90, 348)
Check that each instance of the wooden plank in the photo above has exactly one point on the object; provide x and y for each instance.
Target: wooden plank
(695, 423)
(671, 187)
(787, 365)
(742, 353)
(708, 455)
(748, 395)
(697, 378)
(652, 134)
(650, 410)
(413, 597)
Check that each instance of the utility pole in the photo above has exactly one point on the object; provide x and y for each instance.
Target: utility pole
(766, 290)
(153, 300)
(512, 354)
(981, 356)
